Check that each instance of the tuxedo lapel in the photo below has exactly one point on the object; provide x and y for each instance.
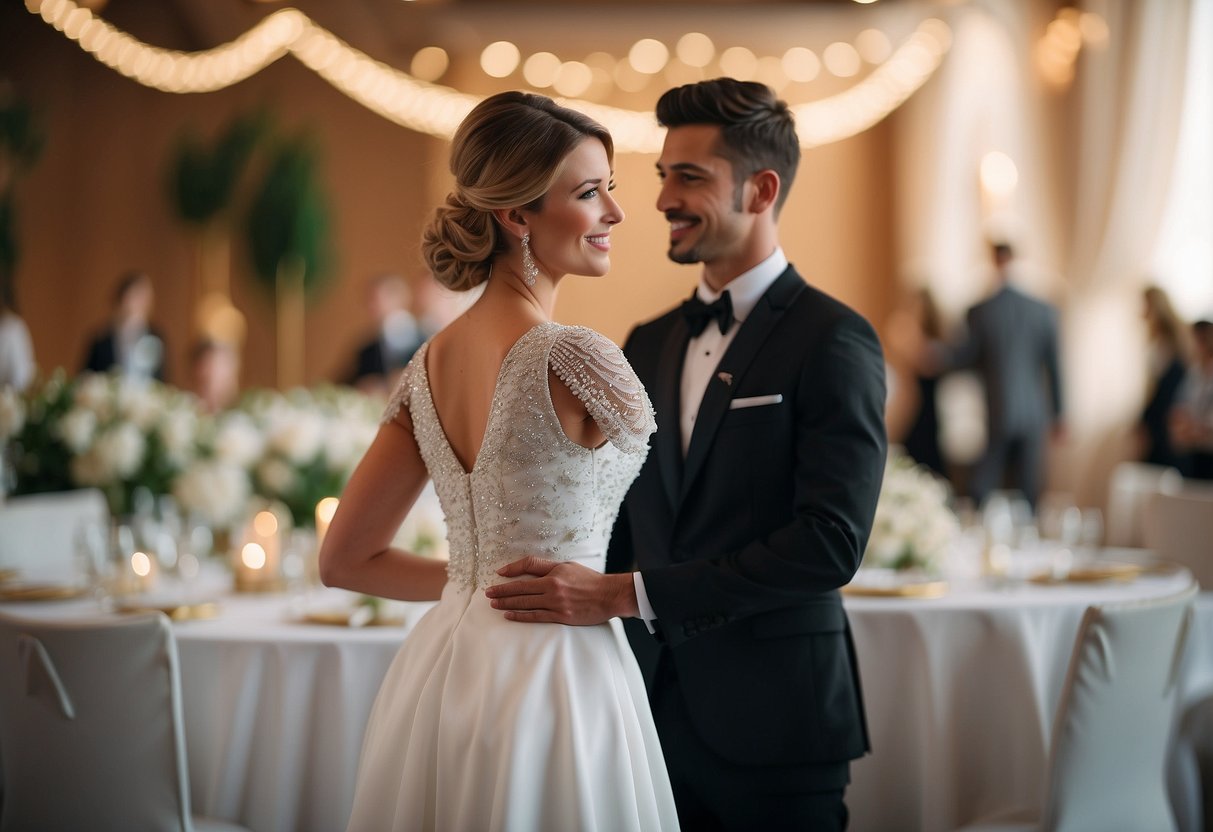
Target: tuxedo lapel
(667, 403)
(732, 369)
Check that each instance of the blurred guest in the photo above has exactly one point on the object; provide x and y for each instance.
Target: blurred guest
(435, 306)
(397, 336)
(130, 343)
(215, 374)
(16, 350)
(1192, 417)
(916, 346)
(1012, 344)
(1170, 346)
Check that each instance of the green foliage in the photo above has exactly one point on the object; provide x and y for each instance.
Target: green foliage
(21, 135)
(203, 180)
(40, 457)
(21, 141)
(289, 218)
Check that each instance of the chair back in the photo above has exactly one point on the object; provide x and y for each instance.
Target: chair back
(1179, 528)
(38, 531)
(1129, 491)
(1107, 767)
(90, 725)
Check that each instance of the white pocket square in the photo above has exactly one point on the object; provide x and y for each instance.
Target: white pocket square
(755, 401)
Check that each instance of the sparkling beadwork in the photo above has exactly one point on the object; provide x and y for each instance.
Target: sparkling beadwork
(533, 491)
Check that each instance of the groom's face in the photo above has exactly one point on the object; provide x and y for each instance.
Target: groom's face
(700, 197)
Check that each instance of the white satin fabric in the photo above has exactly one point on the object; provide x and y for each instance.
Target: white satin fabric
(485, 724)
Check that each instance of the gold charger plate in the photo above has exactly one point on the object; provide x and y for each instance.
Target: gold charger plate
(178, 612)
(912, 589)
(40, 592)
(1093, 573)
(338, 618)
(7, 575)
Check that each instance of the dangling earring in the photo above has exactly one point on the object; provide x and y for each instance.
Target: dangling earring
(530, 272)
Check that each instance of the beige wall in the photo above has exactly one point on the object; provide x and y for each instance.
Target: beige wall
(95, 205)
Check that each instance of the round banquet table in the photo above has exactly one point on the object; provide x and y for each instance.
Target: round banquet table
(960, 693)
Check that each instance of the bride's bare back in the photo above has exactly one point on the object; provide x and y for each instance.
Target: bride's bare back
(463, 364)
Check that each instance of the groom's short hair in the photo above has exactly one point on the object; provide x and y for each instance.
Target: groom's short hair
(758, 131)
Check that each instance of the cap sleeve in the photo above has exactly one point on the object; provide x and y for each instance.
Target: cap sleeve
(404, 388)
(596, 371)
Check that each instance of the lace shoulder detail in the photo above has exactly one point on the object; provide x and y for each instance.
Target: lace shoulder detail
(595, 369)
(404, 389)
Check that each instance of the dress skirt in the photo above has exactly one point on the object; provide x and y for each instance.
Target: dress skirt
(488, 724)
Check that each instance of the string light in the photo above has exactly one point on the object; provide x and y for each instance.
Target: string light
(437, 110)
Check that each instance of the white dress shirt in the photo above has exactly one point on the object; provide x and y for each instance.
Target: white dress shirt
(703, 355)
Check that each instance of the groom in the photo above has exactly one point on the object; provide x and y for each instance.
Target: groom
(757, 498)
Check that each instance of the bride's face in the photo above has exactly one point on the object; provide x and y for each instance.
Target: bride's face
(571, 232)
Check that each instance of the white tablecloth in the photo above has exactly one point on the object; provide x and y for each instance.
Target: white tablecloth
(960, 694)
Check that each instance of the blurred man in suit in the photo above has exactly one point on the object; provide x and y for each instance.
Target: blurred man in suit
(379, 360)
(1011, 341)
(130, 343)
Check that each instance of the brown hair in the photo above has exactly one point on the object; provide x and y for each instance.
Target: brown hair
(506, 154)
(1165, 325)
(758, 131)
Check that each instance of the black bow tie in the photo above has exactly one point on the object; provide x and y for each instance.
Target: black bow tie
(699, 313)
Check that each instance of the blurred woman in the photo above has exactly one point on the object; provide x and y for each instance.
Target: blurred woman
(1170, 347)
(16, 350)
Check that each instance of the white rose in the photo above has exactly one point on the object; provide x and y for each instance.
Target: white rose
(297, 435)
(12, 413)
(217, 491)
(177, 431)
(137, 402)
(121, 449)
(77, 429)
(276, 475)
(238, 441)
(93, 392)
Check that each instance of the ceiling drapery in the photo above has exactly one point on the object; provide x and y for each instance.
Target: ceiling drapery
(437, 110)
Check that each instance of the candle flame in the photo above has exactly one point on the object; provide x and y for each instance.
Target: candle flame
(253, 555)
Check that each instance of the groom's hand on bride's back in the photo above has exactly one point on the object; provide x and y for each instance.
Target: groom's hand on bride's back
(562, 593)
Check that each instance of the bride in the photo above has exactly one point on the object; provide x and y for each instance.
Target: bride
(532, 433)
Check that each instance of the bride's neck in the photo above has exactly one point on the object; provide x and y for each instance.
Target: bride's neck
(505, 289)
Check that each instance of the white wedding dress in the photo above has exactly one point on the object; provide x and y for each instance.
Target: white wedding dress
(489, 724)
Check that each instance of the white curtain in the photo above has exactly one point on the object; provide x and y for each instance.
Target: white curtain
(1095, 165)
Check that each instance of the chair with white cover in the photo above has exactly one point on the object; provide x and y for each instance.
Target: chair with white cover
(38, 531)
(91, 730)
(1179, 528)
(1129, 491)
(1108, 754)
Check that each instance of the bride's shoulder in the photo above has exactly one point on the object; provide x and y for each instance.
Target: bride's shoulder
(412, 375)
(594, 368)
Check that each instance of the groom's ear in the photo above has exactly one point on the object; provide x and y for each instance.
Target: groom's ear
(764, 191)
(511, 220)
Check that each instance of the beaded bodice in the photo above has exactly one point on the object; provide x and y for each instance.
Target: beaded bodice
(532, 490)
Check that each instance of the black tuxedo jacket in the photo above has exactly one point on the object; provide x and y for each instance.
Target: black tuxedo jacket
(102, 354)
(743, 546)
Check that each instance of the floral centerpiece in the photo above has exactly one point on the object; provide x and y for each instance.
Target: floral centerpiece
(105, 431)
(913, 524)
(312, 440)
(124, 436)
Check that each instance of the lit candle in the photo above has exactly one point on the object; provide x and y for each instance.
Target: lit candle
(259, 563)
(325, 509)
(143, 571)
(265, 533)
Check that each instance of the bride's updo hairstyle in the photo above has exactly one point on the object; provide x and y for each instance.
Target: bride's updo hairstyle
(506, 154)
